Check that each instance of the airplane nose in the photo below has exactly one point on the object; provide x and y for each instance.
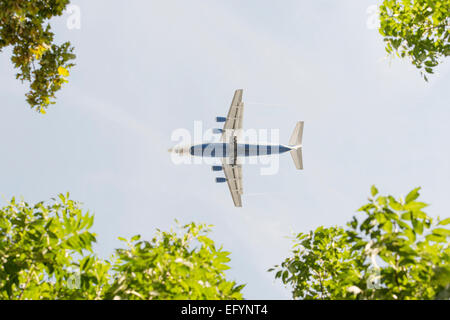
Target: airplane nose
(179, 150)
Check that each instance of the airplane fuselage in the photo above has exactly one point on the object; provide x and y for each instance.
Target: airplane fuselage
(225, 150)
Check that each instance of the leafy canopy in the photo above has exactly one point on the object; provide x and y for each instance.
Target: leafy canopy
(417, 29)
(24, 26)
(394, 251)
(46, 253)
(173, 265)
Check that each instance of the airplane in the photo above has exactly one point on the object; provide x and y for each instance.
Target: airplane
(230, 150)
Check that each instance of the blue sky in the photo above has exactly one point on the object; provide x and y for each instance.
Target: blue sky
(146, 68)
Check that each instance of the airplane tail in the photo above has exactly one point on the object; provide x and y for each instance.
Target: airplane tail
(296, 143)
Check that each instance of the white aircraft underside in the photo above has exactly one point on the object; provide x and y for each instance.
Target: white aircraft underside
(229, 150)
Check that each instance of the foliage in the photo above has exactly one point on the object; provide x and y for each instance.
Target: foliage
(46, 253)
(24, 26)
(173, 266)
(322, 265)
(40, 244)
(396, 251)
(418, 29)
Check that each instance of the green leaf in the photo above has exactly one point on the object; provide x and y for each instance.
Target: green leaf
(436, 238)
(441, 232)
(413, 195)
(414, 205)
(444, 222)
(135, 238)
(373, 191)
(410, 234)
(417, 225)
(407, 216)
(394, 204)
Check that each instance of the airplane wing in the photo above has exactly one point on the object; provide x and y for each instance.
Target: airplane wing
(234, 118)
(233, 174)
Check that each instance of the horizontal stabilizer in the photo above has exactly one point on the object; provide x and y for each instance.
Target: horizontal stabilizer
(297, 156)
(297, 135)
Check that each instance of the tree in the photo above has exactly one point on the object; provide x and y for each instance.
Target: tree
(24, 26)
(396, 251)
(322, 265)
(173, 266)
(46, 253)
(417, 29)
